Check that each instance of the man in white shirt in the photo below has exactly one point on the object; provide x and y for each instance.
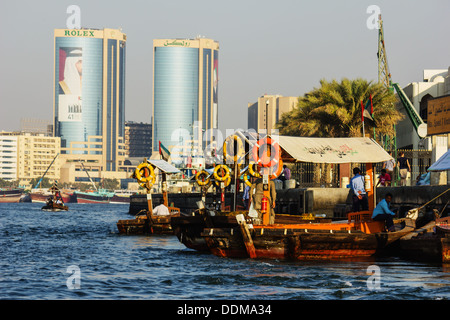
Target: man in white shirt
(161, 210)
(389, 166)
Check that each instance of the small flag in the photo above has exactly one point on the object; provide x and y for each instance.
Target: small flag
(164, 152)
(367, 111)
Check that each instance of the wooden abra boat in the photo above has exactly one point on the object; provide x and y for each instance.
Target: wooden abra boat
(429, 243)
(358, 237)
(146, 223)
(55, 207)
(55, 201)
(188, 229)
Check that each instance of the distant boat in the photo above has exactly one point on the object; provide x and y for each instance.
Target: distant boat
(98, 196)
(41, 195)
(54, 202)
(122, 196)
(8, 195)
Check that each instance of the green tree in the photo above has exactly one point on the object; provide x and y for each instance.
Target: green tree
(110, 184)
(334, 110)
(45, 183)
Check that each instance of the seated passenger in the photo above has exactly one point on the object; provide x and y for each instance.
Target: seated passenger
(382, 212)
(161, 210)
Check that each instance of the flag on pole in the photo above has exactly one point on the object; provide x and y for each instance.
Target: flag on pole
(367, 111)
(165, 154)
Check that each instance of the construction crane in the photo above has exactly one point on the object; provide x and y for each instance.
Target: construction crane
(384, 77)
(40, 180)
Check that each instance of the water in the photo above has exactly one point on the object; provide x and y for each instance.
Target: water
(37, 248)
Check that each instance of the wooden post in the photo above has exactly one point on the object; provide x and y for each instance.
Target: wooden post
(222, 197)
(266, 191)
(246, 236)
(370, 193)
(164, 189)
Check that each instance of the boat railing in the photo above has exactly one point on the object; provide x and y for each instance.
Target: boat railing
(359, 216)
(174, 210)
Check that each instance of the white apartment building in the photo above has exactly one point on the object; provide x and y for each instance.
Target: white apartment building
(8, 157)
(25, 156)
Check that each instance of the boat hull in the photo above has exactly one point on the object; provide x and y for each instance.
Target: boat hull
(294, 245)
(116, 199)
(429, 243)
(292, 242)
(188, 229)
(92, 197)
(144, 225)
(55, 208)
(10, 196)
(41, 197)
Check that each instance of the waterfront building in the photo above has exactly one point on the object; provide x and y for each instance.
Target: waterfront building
(267, 110)
(138, 139)
(435, 84)
(185, 91)
(8, 156)
(25, 156)
(89, 98)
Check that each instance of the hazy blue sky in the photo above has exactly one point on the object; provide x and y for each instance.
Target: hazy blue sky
(274, 47)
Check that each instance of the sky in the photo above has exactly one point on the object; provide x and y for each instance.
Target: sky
(266, 47)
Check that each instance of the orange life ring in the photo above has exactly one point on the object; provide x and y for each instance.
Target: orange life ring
(264, 160)
(276, 172)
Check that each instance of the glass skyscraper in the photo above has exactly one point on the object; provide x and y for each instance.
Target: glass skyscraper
(185, 97)
(89, 94)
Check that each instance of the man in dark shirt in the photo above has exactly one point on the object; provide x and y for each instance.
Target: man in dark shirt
(403, 165)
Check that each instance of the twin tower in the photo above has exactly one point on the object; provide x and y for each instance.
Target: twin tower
(89, 93)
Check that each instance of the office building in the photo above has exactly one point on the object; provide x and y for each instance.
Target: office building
(185, 91)
(267, 111)
(138, 139)
(25, 156)
(89, 96)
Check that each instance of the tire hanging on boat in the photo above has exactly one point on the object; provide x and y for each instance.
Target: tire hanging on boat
(276, 171)
(253, 170)
(147, 178)
(226, 183)
(202, 178)
(221, 168)
(233, 149)
(264, 160)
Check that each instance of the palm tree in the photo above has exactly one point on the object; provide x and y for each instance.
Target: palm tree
(334, 110)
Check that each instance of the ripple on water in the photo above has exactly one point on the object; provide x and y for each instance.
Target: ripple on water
(37, 248)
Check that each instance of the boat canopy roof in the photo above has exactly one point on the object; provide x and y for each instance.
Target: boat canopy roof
(331, 150)
(164, 166)
(441, 164)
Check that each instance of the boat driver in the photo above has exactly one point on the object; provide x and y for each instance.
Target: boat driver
(383, 212)
(161, 210)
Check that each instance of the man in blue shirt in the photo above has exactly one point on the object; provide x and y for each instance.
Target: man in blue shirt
(383, 212)
(360, 200)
